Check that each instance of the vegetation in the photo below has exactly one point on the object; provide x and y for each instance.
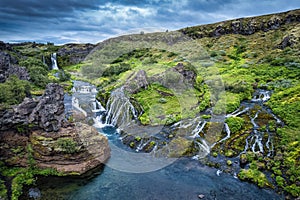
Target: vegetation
(38, 71)
(13, 91)
(228, 70)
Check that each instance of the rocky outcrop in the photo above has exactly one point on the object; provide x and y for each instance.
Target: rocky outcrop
(46, 112)
(136, 82)
(7, 66)
(244, 26)
(71, 54)
(49, 112)
(75, 149)
(179, 77)
(20, 72)
(35, 132)
(291, 39)
(4, 66)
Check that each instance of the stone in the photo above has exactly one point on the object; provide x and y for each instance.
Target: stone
(243, 159)
(136, 82)
(49, 112)
(46, 112)
(74, 53)
(91, 149)
(4, 66)
(20, 72)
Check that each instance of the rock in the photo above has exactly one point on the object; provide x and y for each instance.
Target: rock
(229, 162)
(4, 66)
(201, 196)
(244, 26)
(74, 53)
(75, 149)
(46, 112)
(90, 149)
(136, 82)
(180, 77)
(243, 159)
(20, 72)
(49, 112)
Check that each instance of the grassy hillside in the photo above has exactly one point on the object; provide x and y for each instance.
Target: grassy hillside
(229, 60)
(229, 68)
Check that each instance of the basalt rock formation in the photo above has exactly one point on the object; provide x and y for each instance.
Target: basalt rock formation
(39, 124)
(46, 112)
(71, 54)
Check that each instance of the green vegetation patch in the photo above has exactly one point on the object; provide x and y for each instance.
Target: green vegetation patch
(164, 106)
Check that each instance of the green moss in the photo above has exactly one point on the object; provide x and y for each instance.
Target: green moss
(67, 145)
(162, 106)
(229, 162)
(3, 190)
(215, 154)
(132, 145)
(255, 176)
(235, 123)
(138, 138)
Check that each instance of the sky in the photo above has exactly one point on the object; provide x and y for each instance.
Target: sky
(92, 21)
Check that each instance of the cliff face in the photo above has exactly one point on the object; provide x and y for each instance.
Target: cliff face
(7, 67)
(70, 54)
(243, 26)
(46, 112)
(37, 129)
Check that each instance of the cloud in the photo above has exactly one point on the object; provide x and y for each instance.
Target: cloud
(62, 21)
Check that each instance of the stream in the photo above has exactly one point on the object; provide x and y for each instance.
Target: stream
(131, 174)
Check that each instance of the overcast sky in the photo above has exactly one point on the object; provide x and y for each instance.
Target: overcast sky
(82, 21)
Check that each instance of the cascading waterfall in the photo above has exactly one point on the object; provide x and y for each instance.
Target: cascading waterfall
(54, 61)
(120, 111)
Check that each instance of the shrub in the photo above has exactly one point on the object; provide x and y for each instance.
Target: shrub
(13, 91)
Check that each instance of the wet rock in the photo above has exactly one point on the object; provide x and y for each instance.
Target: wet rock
(243, 160)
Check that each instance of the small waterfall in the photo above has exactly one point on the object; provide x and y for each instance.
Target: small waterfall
(75, 104)
(198, 129)
(54, 61)
(43, 58)
(261, 96)
(120, 111)
(237, 112)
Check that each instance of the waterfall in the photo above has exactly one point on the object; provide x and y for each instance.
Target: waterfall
(43, 58)
(261, 96)
(198, 129)
(54, 61)
(120, 111)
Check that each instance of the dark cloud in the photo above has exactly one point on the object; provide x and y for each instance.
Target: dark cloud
(62, 21)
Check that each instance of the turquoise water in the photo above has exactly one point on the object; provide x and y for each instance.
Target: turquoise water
(183, 179)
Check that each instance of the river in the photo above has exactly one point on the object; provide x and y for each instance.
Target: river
(132, 175)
